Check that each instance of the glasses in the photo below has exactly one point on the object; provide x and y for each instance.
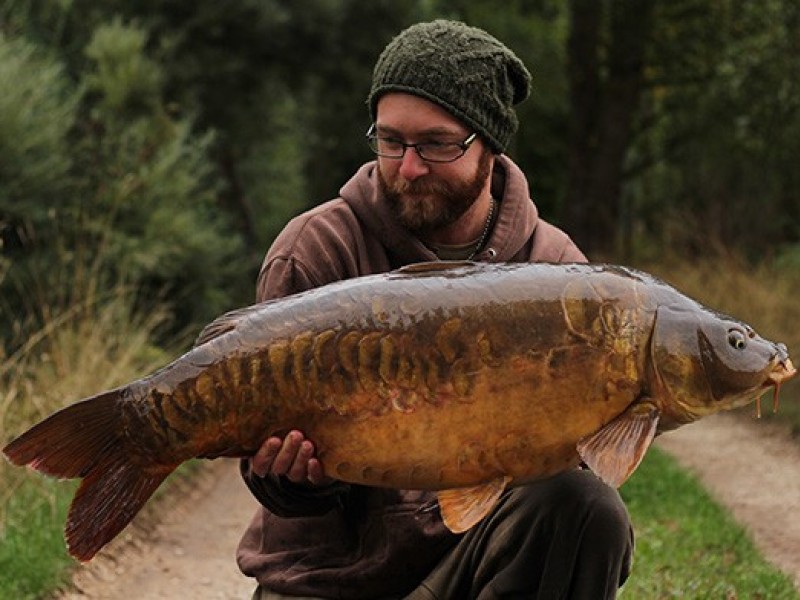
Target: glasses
(435, 152)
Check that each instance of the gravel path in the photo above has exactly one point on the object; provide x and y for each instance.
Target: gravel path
(184, 547)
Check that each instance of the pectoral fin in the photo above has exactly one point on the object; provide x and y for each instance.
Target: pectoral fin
(462, 508)
(614, 452)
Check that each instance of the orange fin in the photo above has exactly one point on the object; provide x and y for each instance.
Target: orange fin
(85, 440)
(462, 508)
(614, 452)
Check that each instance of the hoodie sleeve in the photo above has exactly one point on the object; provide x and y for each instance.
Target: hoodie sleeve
(282, 277)
(287, 499)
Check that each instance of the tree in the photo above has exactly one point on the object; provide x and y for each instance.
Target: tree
(606, 57)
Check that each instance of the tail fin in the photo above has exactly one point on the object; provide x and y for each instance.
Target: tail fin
(85, 440)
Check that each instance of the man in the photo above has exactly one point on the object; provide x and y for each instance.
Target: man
(442, 103)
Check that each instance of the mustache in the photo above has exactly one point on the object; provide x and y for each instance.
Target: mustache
(420, 187)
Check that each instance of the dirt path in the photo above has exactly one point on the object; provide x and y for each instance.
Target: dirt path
(750, 466)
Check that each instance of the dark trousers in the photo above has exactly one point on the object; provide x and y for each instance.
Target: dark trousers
(567, 537)
(564, 537)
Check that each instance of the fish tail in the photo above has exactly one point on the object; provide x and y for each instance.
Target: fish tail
(86, 440)
(106, 501)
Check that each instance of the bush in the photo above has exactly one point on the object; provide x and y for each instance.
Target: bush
(37, 109)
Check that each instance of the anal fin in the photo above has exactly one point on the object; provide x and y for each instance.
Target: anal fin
(461, 508)
(614, 452)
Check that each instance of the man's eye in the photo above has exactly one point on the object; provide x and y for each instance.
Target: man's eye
(391, 142)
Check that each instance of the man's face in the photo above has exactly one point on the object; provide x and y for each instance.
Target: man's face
(428, 196)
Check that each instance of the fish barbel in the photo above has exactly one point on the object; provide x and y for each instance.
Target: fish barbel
(463, 378)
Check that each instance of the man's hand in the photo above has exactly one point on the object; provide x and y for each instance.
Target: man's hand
(292, 456)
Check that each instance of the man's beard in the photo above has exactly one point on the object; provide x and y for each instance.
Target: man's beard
(430, 202)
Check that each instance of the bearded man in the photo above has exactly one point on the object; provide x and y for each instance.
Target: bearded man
(441, 188)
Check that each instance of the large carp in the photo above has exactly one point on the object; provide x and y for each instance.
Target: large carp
(461, 378)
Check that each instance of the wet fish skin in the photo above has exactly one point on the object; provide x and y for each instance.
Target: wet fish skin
(460, 378)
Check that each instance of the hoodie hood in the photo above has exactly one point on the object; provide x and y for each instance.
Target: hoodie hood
(516, 219)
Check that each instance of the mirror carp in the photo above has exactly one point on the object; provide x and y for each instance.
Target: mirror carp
(459, 377)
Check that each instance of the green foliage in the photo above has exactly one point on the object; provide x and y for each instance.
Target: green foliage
(124, 76)
(156, 186)
(37, 109)
(689, 547)
(273, 171)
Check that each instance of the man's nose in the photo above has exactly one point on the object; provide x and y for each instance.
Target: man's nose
(412, 166)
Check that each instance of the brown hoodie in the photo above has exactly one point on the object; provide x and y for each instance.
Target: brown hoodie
(349, 541)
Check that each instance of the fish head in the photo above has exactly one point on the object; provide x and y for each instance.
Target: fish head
(705, 362)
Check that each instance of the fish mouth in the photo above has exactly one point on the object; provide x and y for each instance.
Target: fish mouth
(782, 371)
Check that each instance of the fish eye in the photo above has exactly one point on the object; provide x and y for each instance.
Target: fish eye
(737, 339)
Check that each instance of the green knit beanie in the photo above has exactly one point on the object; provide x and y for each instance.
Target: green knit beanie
(468, 72)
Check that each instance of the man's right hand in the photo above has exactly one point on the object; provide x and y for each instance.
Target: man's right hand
(293, 457)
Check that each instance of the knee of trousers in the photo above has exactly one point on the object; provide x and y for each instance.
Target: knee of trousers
(578, 504)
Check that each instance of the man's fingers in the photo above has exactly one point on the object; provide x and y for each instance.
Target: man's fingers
(262, 460)
(316, 474)
(298, 472)
(292, 456)
(285, 459)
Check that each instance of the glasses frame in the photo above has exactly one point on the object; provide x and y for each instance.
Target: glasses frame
(372, 137)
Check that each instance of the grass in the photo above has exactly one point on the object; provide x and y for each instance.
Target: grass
(687, 546)
(33, 558)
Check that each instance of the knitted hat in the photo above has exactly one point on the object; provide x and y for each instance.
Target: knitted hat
(471, 74)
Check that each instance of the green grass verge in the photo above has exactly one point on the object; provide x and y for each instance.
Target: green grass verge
(33, 558)
(687, 546)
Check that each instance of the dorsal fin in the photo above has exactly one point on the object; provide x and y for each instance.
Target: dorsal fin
(226, 322)
(435, 266)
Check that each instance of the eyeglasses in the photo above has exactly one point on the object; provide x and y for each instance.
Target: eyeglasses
(435, 152)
